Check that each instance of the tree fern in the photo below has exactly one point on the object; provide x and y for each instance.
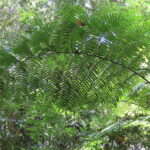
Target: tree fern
(73, 65)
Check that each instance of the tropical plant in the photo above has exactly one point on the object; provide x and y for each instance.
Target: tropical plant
(82, 59)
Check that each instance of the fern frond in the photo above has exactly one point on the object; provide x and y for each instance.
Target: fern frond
(72, 65)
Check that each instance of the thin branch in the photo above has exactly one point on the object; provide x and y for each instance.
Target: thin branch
(135, 104)
(102, 58)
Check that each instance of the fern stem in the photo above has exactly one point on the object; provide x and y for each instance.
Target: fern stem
(102, 58)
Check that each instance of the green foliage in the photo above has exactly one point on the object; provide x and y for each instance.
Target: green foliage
(104, 55)
(65, 80)
(6, 59)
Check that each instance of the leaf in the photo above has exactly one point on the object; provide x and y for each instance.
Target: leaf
(6, 59)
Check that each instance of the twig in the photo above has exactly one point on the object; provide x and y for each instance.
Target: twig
(135, 104)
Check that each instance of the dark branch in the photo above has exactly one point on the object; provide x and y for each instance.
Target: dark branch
(102, 58)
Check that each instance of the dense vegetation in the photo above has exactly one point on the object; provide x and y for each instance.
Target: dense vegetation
(75, 75)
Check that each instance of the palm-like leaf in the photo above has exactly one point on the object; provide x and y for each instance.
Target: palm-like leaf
(70, 64)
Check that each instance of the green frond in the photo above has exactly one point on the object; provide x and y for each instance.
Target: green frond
(71, 65)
